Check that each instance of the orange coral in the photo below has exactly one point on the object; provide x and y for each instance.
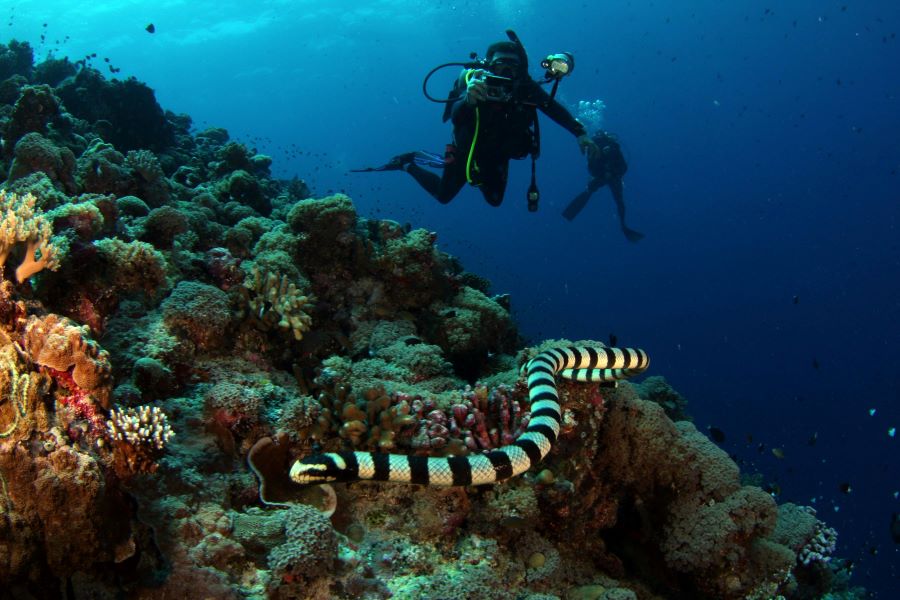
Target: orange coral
(60, 344)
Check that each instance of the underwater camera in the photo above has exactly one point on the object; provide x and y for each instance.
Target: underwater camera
(498, 89)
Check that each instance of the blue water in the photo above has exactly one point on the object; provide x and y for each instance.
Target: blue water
(762, 140)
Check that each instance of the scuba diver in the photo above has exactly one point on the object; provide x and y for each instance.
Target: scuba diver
(607, 167)
(493, 107)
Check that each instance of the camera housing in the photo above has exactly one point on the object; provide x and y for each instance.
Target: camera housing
(497, 88)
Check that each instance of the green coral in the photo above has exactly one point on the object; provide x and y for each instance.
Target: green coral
(472, 323)
(311, 546)
(656, 389)
(323, 218)
(132, 266)
(199, 312)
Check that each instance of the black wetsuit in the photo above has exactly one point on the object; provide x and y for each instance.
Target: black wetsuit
(606, 167)
(506, 130)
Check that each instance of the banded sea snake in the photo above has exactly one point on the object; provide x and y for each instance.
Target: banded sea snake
(576, 363)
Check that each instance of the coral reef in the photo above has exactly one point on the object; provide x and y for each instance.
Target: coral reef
(235, 322)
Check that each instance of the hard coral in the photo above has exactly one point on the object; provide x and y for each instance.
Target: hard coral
(131, 266)
(16, 58)
(33, 153)
(682, 494)
(139, 436)
(310, 549)
(800, 530)
(470, 327)
(200, 312)
(101, 169)
(162, 225)
(325, 228)
(35, 108)
(63, 514)
(60, 344)
(135, 120)
(149, 181)
(657, 389)
(232, 406)
(411, 267)
(274, 301)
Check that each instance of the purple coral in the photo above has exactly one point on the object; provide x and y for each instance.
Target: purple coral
(820, 546)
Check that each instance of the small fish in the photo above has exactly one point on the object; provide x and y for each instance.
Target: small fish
(816, 364)
(717, 435)
(796, 299)
(612, 340)
(150, 28)
(778, 453)
(761, 448)
(845, 488)
(895, 528)
(813, 439)
(773, 489)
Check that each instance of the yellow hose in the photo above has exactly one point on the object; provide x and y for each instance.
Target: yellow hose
(470, 161)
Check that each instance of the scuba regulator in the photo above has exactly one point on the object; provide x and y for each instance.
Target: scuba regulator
(502, 89)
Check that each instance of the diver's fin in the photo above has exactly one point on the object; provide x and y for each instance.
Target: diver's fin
(395, 164)
(631, 235)
(575, 206)
(434, 160)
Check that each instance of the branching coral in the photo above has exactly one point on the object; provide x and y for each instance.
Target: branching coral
(467, 421)
(800, 530)
(276, 302)
(22, 221)
(138, 436)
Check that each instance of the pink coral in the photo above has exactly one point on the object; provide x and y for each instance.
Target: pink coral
(482, 420)
(78, 400)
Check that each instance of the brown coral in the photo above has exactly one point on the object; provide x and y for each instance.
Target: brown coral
(675, 497)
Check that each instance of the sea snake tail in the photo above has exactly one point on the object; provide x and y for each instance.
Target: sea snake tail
(577, 363)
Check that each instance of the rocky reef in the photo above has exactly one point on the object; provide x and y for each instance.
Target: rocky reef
(176, 326)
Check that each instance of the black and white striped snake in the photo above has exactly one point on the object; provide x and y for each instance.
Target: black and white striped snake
(576, 363)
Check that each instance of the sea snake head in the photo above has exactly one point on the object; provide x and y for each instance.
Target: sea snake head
(320, 468)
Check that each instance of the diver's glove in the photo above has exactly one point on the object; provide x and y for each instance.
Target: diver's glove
(588, 146)
(475, 87)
